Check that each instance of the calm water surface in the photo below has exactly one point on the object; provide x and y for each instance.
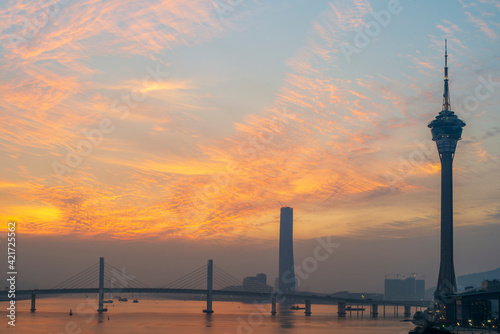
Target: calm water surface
(186, 317)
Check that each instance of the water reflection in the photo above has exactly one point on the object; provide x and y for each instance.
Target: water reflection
(208, 319)
(168, 316)
(285, 315)
(100, 317)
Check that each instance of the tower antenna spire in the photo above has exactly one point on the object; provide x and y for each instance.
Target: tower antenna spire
(446, 94)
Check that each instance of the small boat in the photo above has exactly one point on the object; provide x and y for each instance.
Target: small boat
(135, 301)
(122, 299)
(296, 307)
(70, 312)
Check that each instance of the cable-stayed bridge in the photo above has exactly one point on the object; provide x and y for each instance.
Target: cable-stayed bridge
(207, 280)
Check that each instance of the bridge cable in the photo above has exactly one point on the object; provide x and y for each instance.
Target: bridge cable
(188, 276)
(191, 281)
(183, 278)
(226, 274)
(220, 272)
(222, 280)
(74, 277)
(225, 278)
(222, 283)
(125, 276)
(82, 279)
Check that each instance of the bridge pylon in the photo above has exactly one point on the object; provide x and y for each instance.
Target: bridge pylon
(341, 309)
(101, 286)
(308, 308)
(407, 311)
(374, 312)
(33, 300)
(210, 277)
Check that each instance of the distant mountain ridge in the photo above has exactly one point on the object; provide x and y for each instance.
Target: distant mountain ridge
(474, 280)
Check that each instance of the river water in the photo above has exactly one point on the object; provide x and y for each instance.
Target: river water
(186, 317)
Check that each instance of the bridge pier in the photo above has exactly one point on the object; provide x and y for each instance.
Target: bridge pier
(308, 308)
(210, 271)
(341, 309)
(33, 300)
(273, 306)
(384, 311)
(101, 286)
(407, 311)
(374, 311)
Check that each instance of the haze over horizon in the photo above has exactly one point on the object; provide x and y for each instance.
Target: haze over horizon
(161, 134)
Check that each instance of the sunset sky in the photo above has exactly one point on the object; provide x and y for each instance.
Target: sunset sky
(194, 121)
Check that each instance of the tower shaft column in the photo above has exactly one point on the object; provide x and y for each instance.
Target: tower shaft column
(446, 280)
(447, 284)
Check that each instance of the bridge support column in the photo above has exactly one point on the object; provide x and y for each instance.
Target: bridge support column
(210, 272)
(407, 311)
(341, 309)
(384, 310)
(101, 286)
(308, 308)
(273, 306)
(374, 311)
(33, 299)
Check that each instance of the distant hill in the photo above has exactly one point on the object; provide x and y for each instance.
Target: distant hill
(474, 280)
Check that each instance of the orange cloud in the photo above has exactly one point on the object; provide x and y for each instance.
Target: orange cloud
(482, 25)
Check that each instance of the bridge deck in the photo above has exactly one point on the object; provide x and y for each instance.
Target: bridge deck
(257, 295)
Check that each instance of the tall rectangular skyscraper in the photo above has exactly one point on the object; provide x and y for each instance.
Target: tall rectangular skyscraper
(286, 269)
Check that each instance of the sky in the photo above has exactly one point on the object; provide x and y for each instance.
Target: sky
(174, 131)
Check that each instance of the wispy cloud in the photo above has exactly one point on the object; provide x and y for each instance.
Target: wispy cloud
(481, 24)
